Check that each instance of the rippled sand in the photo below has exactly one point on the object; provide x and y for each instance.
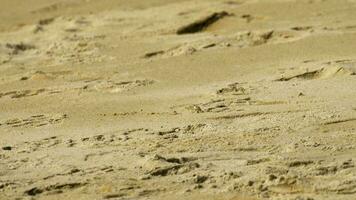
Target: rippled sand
(168, 99)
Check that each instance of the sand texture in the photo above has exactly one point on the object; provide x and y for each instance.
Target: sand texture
(178, 99)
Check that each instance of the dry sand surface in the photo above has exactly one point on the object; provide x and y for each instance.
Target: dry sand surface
(178, 99)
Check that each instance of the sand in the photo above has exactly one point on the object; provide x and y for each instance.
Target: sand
(168, 99)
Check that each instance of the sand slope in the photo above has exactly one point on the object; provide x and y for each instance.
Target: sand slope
(158, 99)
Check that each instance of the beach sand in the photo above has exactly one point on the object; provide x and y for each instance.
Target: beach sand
(178, 99)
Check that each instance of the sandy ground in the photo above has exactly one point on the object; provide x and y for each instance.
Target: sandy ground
(173, 99)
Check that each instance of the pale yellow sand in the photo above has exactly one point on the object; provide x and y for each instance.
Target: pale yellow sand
(168, 99)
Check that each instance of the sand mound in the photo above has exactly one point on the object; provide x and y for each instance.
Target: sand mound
(323, 73)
